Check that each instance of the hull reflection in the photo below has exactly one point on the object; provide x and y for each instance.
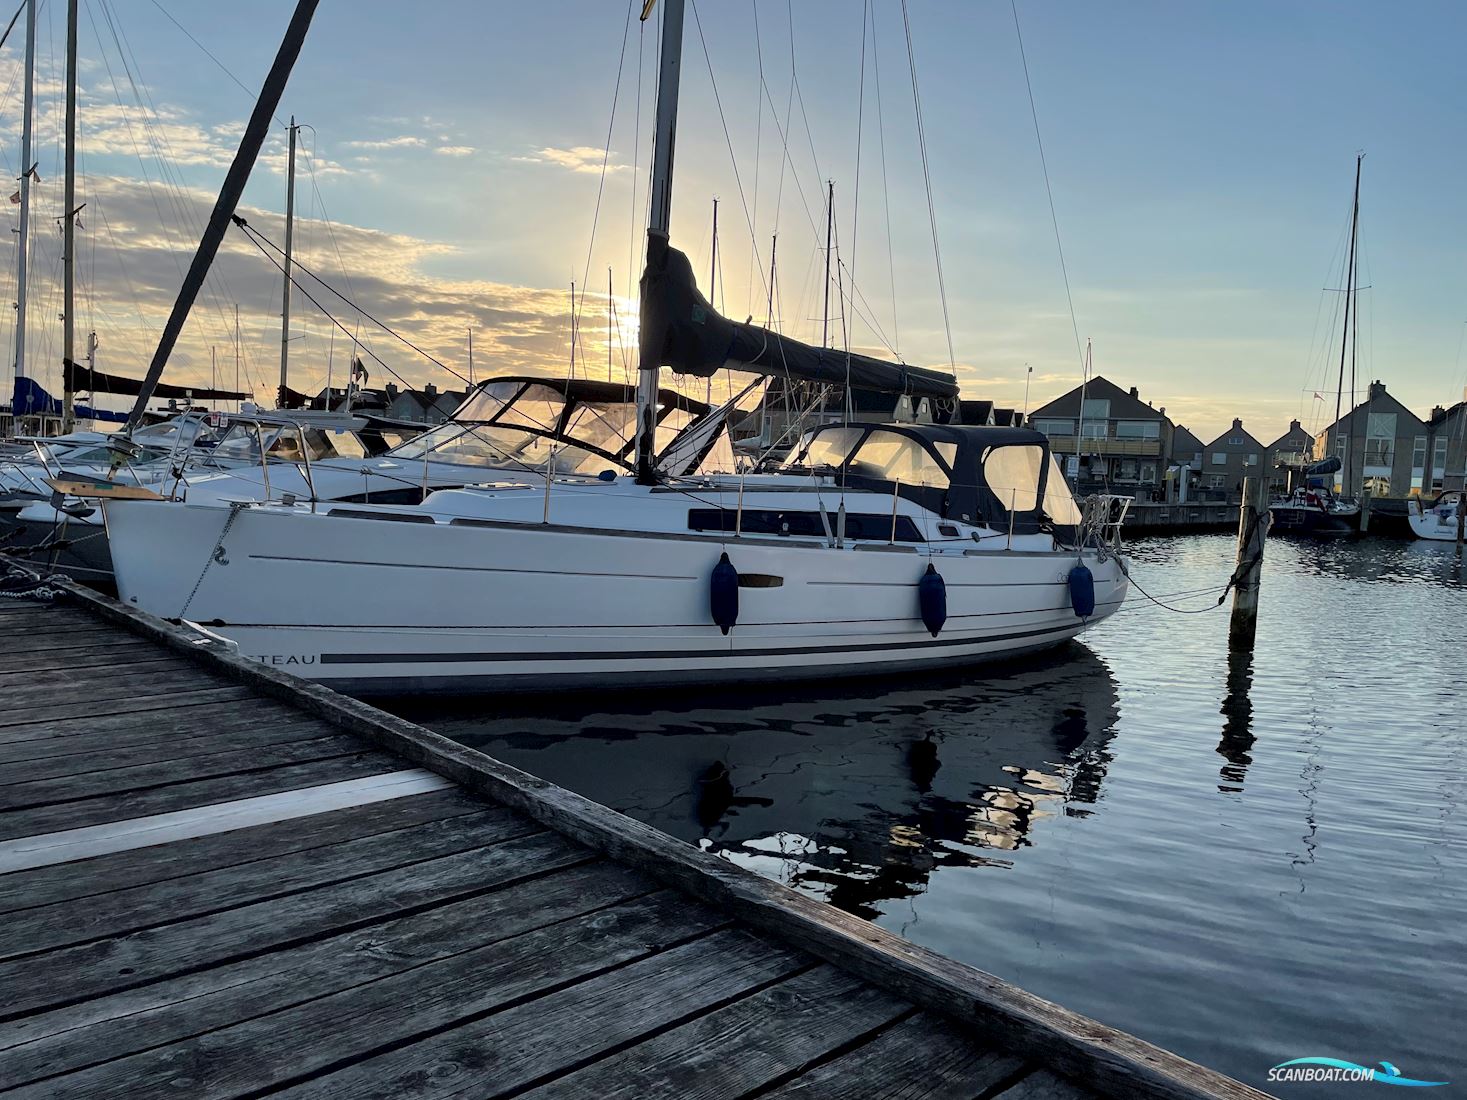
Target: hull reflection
(856, 794)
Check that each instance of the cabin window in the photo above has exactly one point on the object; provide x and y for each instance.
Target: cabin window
(1012, 473)
(869, 526)
(488, 401)
(343, 444)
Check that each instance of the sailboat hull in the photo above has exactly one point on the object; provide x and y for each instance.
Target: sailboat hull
(388, 606)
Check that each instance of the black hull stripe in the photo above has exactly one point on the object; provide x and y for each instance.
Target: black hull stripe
(678, 654)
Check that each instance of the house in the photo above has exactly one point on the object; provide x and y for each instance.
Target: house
(425, 406)
(1186, 448)
(1008, 418)
(1290, 450)
(1446, 449)
(1108, 438)
(1382, 444)
(1230, 458)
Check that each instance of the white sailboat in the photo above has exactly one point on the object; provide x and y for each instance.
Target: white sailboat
(875, 549)
(1439, 522)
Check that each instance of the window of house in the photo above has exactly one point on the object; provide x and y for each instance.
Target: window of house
(1095, 409)
(1138, 429)
(1418, 453)
(1216, 481)
(1439, 455)
(1252, 460)
(1340, 446)
(1219, 458)
(1148, 473)
(1055, 427)
(1235, 441)
(1094, 429)
(1380, 451)
(1381, 426)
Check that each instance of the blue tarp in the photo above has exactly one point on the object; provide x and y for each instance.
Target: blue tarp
(30, 399)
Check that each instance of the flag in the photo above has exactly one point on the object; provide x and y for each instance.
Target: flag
(15, 198)
(1318, 396)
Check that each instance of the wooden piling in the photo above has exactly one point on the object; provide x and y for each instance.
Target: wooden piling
(1461, 514)
(1365, 512)
(1253, 518)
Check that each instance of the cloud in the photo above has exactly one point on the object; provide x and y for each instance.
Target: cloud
(581, 158)
(454, 150)
(402, 141)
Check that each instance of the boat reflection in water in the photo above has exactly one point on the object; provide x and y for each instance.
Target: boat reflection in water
(854, 793)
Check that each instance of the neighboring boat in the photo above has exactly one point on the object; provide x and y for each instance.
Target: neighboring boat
(1312, 508)
(1439, 522)
(877, 549)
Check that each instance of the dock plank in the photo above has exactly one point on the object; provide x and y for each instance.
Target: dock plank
(745, 1046)
(188, 794)
(30, 685)
(209, 734)
(923, 1057)
(160, 862)
(155, 1015)
(138, 725)
(75, 635)
(47, 657)
(32, 931)
(105, 966)
(551, 1035)
(170, 693)
(1044, 1085)
(267, 1051)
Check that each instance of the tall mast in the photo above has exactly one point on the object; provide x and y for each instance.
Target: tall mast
(285, 293)
(1345, 330)
(68, 301)
(236, 355)
(25, 190)
(713, 259)
(659, 220)
(229, 192)
(829, 225)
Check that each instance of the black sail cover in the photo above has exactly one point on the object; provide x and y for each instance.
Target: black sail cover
(681, 330)
(81, 379)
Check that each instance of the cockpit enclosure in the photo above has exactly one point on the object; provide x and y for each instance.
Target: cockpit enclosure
(1003, 478)
(518, 416)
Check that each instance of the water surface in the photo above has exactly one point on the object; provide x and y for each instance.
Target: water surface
(1245, 858)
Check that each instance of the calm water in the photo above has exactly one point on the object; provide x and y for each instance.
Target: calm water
(1245, 859)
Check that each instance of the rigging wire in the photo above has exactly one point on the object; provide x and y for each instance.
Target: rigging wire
(1044, 166)
(927, 181)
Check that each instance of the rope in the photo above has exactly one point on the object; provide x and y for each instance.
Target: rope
(927, 181)
(1044, 165)
(20, 583)
(1242, 570)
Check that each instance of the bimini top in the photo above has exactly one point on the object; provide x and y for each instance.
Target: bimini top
(980, 475)
(487, 402)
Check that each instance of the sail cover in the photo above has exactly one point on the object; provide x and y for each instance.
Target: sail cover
(31, 399)
(83, 380)
(681, 330)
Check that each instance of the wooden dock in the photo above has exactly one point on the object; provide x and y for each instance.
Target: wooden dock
(220, 881)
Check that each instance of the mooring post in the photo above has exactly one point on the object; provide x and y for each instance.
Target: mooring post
(1461, 514)
(1365, 512)
(1253, 519)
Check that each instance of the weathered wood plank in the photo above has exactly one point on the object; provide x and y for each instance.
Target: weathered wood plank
(161, 773)
(745, 1046)
(549, 1035)
(207, 733)
(165, 1012)
(124, 870)
(80, 635)
(185, 795)
(29, 686)
(268, 1051)
(161, 903)
(43, 656)
(31, 614)
(1044, 1085)
(169, 692)
(924, 1057)
(137, 725)
(72, 974)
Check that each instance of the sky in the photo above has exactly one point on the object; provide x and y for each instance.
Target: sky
(1200, 159)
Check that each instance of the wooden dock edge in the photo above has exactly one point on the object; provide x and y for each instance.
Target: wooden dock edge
(1111, 1062)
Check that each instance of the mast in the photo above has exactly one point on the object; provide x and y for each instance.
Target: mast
(285, 292)
(713, 260)
(829, 225)
(471, 357)
(236, 355)
(1345, 329)
(659, 221)
(68, 300)
(229, 193)
(25, 190)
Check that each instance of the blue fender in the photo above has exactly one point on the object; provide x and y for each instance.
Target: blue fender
(723, 594)
(932, 600)
(1082, 591)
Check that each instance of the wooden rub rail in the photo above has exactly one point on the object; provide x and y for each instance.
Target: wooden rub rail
(217, 880)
